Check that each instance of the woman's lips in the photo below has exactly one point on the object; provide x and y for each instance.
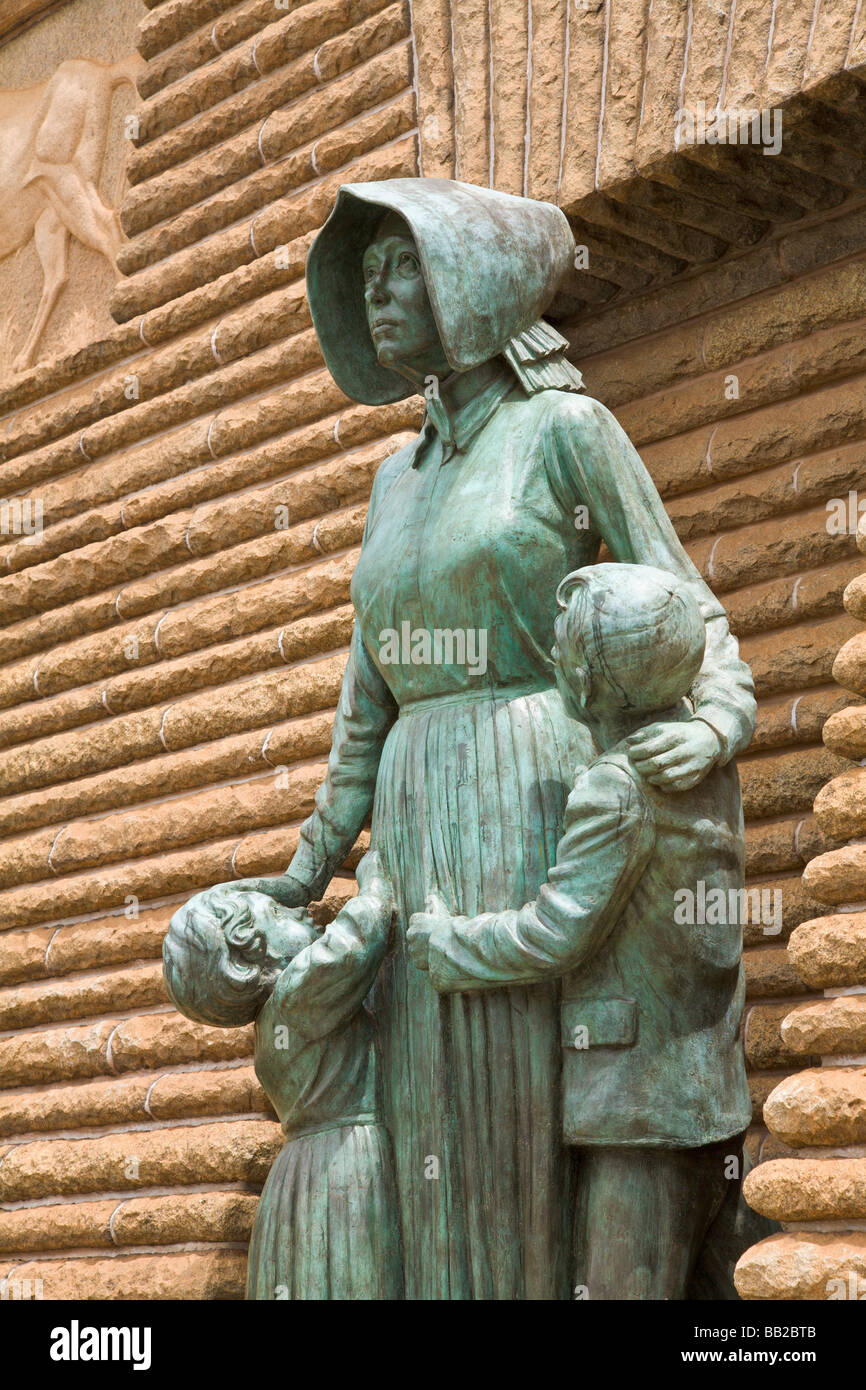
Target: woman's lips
(379, 324)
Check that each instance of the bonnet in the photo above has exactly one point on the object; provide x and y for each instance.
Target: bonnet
(491, 263)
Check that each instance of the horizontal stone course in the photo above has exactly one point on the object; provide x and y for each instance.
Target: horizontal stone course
(821, 1106)
(272, 158)
(279, 314)
(802, 1266)
(196, 1216)
(138, 1098)
(108, 991)
(266, 698)
(219, 1274)
(173, 19)
(180, 128)
(830, 1027)
(840, 806)
(809, 1189)
(281, 223)
(241, 754)
(111, 1046)
(830, 951)
(839, 876)
(238, 1150)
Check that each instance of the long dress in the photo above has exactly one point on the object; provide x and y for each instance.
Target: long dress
(467, 759)
(326, 1224)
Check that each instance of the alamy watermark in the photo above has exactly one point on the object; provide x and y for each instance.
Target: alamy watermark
(21, 516)
(844, 514)
(21, 1290)
(712, 907)
(77, 1343)
(444, 646)
(738, 125)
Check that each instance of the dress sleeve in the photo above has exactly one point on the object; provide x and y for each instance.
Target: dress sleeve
(326, 983)
(365, 712)
(596, 463)
(608, 837)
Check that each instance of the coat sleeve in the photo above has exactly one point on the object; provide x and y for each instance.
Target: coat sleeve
(597, 465)
(607, 840)
(365, 712)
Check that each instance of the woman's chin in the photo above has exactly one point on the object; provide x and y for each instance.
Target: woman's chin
(387, 355)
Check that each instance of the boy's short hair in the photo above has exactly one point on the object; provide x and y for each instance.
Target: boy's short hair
(633, 628)
(216, 962)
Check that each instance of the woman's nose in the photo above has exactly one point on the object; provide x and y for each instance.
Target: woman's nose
(377, 288)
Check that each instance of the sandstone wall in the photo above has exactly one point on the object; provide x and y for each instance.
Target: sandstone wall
(172, 644)
(815, 1179)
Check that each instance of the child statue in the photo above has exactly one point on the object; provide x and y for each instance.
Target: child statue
(326, 1226)
(654, 1083)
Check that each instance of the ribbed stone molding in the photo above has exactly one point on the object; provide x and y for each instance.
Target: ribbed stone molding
(500, 84)
(818, 1117)
(599, 105)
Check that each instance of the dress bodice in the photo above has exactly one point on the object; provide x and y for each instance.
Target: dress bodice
(471, 547)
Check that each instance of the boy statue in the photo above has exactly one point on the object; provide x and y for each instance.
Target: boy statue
(654, 1097)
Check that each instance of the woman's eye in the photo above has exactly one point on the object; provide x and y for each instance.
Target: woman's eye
(369, 273)
(407, 262)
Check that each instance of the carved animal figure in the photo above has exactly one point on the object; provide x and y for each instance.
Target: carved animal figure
(52, 147)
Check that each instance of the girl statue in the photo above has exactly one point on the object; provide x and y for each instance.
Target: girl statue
(326, 1225)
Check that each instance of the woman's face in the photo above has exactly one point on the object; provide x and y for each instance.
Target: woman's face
(399, 315)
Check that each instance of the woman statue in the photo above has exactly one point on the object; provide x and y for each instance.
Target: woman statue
(450, 728)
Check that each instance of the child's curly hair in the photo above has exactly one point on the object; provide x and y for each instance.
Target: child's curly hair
(217, 961)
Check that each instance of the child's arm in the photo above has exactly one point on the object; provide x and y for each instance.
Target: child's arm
(608, 837)
(326, 983)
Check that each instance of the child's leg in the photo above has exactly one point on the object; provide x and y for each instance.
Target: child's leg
(734, 1230)
(641, 1217)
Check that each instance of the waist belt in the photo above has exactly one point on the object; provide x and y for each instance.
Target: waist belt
(472, 696)
(303, 1131)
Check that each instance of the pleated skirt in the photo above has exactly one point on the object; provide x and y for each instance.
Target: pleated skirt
(469, 802)
(326, 1225)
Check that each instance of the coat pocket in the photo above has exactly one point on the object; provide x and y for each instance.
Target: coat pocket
(599, 1023)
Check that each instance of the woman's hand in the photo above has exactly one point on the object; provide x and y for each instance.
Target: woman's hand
(284, 889)
(421, 927)
(674, 756)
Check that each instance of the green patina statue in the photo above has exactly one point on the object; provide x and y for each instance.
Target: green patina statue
(326, 1225)
(557, 1058)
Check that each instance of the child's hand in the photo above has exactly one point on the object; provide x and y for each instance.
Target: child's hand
(370, 914)
(372, 881)
(674, 756)
(421, 926)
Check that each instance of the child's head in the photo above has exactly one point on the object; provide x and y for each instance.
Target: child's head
(224, 950)
(628, 638)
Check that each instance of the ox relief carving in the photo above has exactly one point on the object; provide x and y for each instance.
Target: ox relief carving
(53, 141)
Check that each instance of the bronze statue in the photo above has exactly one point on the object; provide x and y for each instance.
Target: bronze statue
(452, 731)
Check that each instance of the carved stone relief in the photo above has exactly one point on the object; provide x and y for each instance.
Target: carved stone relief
(62, 158)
